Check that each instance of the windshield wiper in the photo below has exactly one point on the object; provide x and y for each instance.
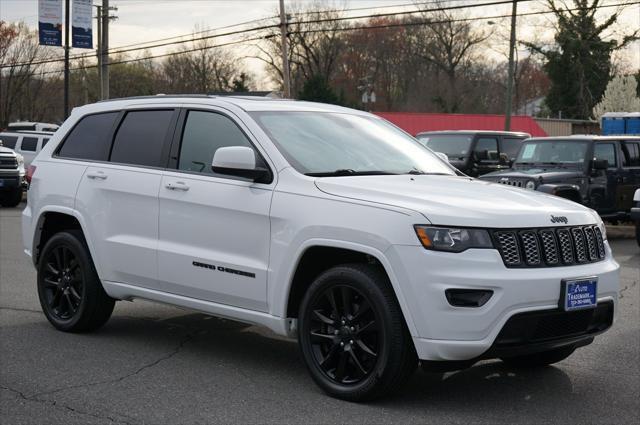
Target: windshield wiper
(348, 172)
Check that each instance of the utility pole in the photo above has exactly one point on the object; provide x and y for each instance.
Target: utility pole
(285, 54)
(512, 47)
(104, 50)
(66, 59)
(99, 48)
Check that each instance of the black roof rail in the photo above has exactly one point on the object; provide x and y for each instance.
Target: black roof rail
(159, 96)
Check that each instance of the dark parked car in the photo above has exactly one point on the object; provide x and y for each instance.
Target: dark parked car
(475, 152)
(601, 172)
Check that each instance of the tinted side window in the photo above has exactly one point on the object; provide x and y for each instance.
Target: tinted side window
(204, 133)
(140, 138)
(631, 154)
(29, 144)
(605, 151)
(89, 138)
(490, 145)
(44, 142)
(9, 141)
(510, 147)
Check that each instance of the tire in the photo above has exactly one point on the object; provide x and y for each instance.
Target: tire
(71, 295)
(370, 353)
(11, 199)
(539, 359)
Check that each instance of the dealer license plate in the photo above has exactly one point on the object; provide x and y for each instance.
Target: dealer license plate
(579, 293)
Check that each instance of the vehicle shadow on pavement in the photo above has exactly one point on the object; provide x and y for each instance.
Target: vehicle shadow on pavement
(213, 364)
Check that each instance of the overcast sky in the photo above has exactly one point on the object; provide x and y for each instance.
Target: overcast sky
(146, 20)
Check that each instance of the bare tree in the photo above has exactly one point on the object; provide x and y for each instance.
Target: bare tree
(315, 44)
(449, 44)
(19, 49)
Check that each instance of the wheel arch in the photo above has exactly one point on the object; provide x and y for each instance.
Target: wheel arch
(51, 220)
(329, 252)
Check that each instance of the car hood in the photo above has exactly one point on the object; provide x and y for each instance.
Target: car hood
(6, 151)
(459, 201)
(546, 174)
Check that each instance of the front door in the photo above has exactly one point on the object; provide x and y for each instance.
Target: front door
(487, 155)
(214, 229)
(629, 178)
(602, 187)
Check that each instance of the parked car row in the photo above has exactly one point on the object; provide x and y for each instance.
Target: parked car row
(600, 172)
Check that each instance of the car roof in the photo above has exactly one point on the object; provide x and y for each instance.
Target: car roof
(487, 132)
(247, 103)
(587, 137)
(27, 132)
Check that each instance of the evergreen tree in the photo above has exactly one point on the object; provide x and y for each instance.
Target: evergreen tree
(317, 89)
(579, 66)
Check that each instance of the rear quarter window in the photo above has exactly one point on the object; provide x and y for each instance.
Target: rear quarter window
(89, 139)
(29, 144)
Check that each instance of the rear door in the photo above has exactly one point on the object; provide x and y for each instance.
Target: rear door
(629, 178)
(119, 197)
(214, 229)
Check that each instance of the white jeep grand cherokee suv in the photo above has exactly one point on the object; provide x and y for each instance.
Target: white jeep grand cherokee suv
(315, 221)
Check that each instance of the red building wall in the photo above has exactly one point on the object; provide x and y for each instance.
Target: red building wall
(414, 122)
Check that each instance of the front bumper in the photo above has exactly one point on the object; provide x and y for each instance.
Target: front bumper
(635, 214)
(444, 332)
(10, 182)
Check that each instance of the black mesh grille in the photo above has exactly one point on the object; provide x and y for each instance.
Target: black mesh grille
(530, 248)
(550, 247)
(509, 247)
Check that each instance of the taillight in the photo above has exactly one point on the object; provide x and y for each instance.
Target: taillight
(30, 171)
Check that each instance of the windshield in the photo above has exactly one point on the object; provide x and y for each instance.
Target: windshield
(454, 146)
(552, 152)
(326, 143)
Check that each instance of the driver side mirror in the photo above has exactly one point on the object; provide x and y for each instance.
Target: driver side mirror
(599, 164)
(239, 161)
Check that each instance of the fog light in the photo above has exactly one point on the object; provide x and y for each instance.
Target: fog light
(468, 297)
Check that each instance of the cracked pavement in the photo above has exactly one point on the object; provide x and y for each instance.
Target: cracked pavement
(155, 364)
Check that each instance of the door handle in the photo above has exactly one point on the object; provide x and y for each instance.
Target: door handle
(98, 175)
(177, 186)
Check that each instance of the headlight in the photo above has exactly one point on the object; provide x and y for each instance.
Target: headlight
(452, 239)
(531, 185)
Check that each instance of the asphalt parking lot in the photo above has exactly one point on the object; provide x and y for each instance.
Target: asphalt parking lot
(155, 364)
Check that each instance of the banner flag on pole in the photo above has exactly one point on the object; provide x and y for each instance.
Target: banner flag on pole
(82, 24)
(50, 22)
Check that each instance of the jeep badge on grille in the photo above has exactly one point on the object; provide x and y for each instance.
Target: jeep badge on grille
(559, 219)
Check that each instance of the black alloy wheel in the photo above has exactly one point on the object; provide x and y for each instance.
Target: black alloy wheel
(63, 282)
(344, 334)
(70, 291)
(352, 333)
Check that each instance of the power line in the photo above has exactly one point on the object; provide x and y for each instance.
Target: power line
(351, 28)
(237, 32)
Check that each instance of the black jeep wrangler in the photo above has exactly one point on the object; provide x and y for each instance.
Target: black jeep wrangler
(601, 172)
(475, 152)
